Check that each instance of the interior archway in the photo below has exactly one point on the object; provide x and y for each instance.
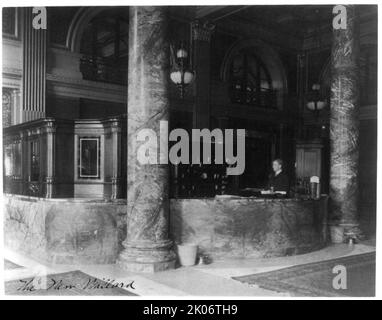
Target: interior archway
(269, 58)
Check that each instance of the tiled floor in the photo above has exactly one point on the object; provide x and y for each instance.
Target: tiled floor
(206, 280)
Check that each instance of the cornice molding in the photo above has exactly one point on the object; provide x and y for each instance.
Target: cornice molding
(78, 88)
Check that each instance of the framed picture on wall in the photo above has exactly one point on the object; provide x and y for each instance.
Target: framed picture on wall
(89, 157)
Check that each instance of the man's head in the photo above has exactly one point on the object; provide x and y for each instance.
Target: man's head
(277, 165)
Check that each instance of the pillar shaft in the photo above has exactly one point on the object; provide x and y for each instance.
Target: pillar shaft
(147, 247)
(344, 123)
(34, 69)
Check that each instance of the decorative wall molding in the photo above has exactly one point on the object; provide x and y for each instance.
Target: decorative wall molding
(12, 72)
(11, 42)
(78, 88)
(12, 77)
(78, 25)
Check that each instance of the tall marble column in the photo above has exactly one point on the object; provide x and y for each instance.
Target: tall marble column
(34, 68)
(147, 247)
(344, 124)
(201, 36)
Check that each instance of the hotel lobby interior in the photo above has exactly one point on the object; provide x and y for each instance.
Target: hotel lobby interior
(77, 203)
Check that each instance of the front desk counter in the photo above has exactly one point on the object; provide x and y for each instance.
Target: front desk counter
(250, 227)
(83, 231)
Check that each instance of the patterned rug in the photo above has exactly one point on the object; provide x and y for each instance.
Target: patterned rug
(69, 284)
(316, 279)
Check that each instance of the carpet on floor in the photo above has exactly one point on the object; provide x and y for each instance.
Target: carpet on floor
(69, 284)
(9, 265)
(316, 279)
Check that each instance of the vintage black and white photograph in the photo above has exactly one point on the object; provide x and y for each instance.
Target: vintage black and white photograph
(189, 151)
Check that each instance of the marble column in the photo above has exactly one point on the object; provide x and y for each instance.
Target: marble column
(34, 68)
(201, 36)
(344, 124)
(147, 247)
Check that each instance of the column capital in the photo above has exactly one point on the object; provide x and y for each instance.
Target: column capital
(202, 31)
(15, 92)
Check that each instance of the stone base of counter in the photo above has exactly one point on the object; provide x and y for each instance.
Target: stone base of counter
(248, 228)
(75, 231)
(64, 231)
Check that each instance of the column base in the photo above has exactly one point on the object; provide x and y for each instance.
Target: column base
(352, 231)
(148, 267)
(147, 256)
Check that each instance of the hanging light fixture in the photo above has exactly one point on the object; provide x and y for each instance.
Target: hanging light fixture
(181, 73)
(315, 102)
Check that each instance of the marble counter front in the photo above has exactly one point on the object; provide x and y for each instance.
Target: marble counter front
(249, 227)
(83, 231)
(65, 231)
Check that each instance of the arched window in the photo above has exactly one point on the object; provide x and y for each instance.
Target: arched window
(250, 81)
(104, 45)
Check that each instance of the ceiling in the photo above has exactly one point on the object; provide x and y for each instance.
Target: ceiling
(285, 23)
(293, 20)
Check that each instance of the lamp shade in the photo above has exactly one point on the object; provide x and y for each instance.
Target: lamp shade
(321, 105)
(313, 106)
(188, 77)
(176, 77)
(181, 54)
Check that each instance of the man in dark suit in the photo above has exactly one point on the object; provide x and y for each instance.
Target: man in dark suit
(278, 180)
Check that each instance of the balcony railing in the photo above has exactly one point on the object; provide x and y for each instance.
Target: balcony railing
(98, 69)
(265, 98)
